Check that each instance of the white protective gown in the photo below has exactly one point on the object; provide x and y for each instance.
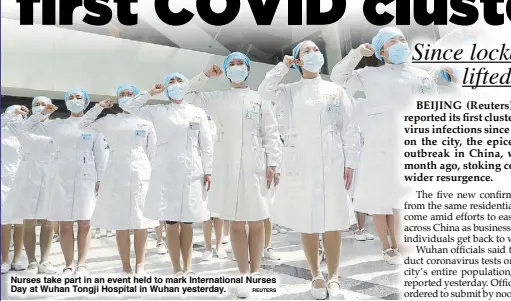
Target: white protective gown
(319, 143)
(214, 137)
(11, 155)
(183, 156)
(132, 145)
(249, 142)
(29, 195)
(388, 90)
(80, 160)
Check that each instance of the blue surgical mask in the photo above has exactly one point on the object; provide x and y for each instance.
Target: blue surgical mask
(237, 74)
(37, 109)
(175, 91)
(398, 53)
(75, 105)
(313, 62)
(123, 101)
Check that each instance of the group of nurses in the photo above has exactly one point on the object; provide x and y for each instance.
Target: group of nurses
(162, 168)
(56, 180)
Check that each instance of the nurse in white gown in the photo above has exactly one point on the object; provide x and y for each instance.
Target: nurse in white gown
(388, 89)
(11, 155)
(132, 144)
(76, 172)
(211, 218)
(182, 166)
(247, 157)
(29, 197)
(320, 152)
(361, 234)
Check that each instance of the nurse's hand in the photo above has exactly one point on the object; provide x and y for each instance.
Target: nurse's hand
(156, 89)
(348, 177)
(107, 103)
(276, 179)
(289, 61)
(22, 110)
(270, 174)
(367, 49)
(49, 108)
(214, 71)
(97, 187)
(451, 73)
(207, 182)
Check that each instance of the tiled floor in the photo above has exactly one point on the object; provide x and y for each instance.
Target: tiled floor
(363, 275)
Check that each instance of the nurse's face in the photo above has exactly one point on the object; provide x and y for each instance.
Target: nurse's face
(175, 80)
(307, 48)
(77, 96)
(125, 93)
(237, 62)
(39, 103)
(384, 52)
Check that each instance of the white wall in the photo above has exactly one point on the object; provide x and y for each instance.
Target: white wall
(46, 60)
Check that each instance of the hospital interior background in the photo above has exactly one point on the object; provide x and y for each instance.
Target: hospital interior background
(44, 60)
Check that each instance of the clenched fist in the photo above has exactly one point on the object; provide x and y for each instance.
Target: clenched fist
(156, 89)
(107, 103)
(21, 110)
(289, 61)
(49, 108)
(367, 49)
(214, 71)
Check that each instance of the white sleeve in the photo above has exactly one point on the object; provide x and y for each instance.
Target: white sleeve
(270, 133)
(271, 87)
(138, 106)
(344, 73)
(89, 119)
(9, 117)
(100, 155)
(196, 83)
(350, 134)
(206, 144)
(151, 143)
(26, 138)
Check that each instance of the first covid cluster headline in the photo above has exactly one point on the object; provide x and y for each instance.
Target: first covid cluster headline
(377, 12)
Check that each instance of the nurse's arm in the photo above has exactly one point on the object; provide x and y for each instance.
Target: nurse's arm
(344, 73)
(26, 138)
(195, 84)
(10, 117)
(350, 134)
(204, 100)
(206, 145)
(272, 89)
(100, 156)
(36, 118)
(89, 120)
(270, 134)
(138, 106)
(151, 143)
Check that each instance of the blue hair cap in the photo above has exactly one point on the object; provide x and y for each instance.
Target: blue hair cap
(236, 56)
(128, 87)
(383, 36)
(42, 98)
(78, 91)
(169, 77)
